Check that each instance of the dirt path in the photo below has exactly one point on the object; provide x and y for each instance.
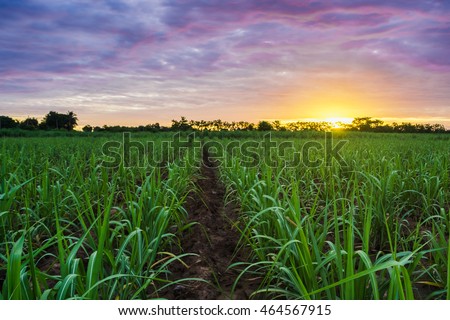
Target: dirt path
(214, 239)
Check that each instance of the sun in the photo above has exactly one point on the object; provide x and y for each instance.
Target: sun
(338, 122)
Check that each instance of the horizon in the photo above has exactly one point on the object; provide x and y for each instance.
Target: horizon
(335, 123)
(118, 62)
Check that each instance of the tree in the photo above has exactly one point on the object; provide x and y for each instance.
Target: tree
(278, 126)
(264, 126)
(438, 128)
(29, 124)
(366, 124)
(98, 129)
(154, 127)
(55, 120)
(72, 120)
(7, 122)
(52, 120)
(182, 125)
(87, 128)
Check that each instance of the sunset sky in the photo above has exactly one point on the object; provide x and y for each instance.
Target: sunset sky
(137, 62)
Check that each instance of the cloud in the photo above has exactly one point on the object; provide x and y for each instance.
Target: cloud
(339, 20)
(170, 54)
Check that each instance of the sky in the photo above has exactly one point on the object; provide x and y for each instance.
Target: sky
(135, 62)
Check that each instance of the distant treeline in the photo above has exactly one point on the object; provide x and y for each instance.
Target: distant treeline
(52, 121)
(68, 121)
(366, 124)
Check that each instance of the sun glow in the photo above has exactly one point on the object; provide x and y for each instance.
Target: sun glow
(333, 100)
(338, 122)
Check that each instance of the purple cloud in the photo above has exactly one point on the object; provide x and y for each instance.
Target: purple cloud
(339, 20)
(168, 54)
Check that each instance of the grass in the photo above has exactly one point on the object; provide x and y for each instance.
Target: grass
(72, 229)
(376, 229)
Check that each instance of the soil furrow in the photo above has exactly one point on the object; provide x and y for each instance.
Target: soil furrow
(214, 239)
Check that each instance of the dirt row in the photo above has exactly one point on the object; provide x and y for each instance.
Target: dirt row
(214, 239)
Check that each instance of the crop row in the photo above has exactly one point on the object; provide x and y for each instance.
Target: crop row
(72, 229)
(376, 228)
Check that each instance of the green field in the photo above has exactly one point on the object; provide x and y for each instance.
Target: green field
(375, 226)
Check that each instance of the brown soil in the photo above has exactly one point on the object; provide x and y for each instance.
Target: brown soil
(214, 240)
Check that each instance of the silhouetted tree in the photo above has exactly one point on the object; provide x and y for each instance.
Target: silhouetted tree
(264, 126)
(29, 124)
(55, 120)
(153, 127)
(8, 123)
(308, 126)
(72, 120)
(439, 128)
(87, 128)
(366, 124)
(182, 125)
(278, 126)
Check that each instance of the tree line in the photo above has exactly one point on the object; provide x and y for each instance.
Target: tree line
(52, 121)
(68, 121)
(365, 124)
